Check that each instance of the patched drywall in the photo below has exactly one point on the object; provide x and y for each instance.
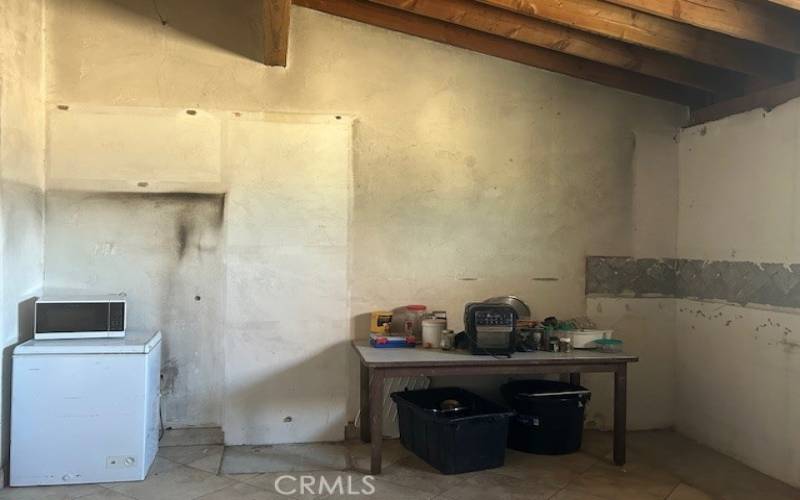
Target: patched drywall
(655, 194)
(739, 231)
(633, 295)
(287, 310)
(165, 250)
(647, 328)
(232, 279)
(472, 176)
(737, 372)
(21, 180)
(144, 149)
(21, 155)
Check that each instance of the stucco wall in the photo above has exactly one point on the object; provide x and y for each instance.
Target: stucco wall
(646, 324)
(472, 176)
(737, 364)
(21, 177)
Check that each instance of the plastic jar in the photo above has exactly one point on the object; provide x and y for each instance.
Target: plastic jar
(432, 332)
(408, 320)
(609, 345)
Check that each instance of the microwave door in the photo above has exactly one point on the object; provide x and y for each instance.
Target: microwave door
(72, 317)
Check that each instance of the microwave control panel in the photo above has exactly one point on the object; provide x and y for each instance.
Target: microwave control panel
(116, 317)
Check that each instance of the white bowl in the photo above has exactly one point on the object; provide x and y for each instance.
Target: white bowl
(584, 339)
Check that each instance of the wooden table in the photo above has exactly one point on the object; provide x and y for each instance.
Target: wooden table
(379, 364)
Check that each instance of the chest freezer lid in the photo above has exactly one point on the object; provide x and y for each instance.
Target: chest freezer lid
(135, 342)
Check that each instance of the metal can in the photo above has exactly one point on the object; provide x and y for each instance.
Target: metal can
(447, 339)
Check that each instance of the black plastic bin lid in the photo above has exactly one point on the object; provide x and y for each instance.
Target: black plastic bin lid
(430, 401)
(542, 388)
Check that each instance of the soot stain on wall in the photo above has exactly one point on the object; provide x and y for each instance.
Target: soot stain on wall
(168, 250)
(193, 207)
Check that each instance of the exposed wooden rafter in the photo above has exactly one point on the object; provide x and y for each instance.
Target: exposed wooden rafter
(474, 15)
(638, 28)
(717, 56)
(757, 22)
(276, 31)
(486, 43)
(766, 99)
(792, 4)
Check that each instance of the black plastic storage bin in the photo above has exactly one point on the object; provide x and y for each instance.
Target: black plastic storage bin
(472, 438)
(549, 418)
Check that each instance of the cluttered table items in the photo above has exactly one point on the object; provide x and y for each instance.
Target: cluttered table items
(379, 364)
(499, 338)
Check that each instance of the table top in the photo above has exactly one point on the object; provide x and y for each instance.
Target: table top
(418, 356)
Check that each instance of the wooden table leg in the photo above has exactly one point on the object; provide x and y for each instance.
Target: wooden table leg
(376, 418)
(575, 378)
(620, 412)
(365, 421)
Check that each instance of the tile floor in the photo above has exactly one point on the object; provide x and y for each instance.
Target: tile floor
(661, 464)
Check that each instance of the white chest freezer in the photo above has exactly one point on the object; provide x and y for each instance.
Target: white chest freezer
(85, 411)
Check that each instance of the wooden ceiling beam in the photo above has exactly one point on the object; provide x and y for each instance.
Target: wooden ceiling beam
(604, 50)
(459, 36)
(766, 99)
(792, 4)
(757, 22)
(647, 30)
(276, 31)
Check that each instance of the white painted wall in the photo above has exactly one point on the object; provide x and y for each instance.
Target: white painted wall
(166, 252)
(21, 178)
(286, 280)
(646, 325)
(249, 286)
(472, 176)
(647, 328)
(737, 366)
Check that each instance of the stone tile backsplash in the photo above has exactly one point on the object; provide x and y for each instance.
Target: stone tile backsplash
(732, 281)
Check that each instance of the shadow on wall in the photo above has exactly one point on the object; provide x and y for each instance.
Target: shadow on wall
(234, 25)
(25, 333)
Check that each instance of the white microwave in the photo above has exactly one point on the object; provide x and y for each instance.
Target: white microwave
(79, 317)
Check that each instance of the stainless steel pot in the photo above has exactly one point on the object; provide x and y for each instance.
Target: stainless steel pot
(523, 311)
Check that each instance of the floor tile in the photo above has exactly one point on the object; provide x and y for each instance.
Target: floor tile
(552, 470)
(290, 483)
(206, 458)
(570, 493)
(413, 472)
(361, 453)
(686, 492)
(498, 487)
(50, 492)
(242, 491)
(191, 437)
(177, 483)
(633, 481)
(383, 490)
(242, 478)
(284, 458)
(106, 495)
(661, 465)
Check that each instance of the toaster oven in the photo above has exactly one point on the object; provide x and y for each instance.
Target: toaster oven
(490, 328)
(79, 317)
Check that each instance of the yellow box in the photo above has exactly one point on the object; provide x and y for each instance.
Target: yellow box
(380, 321)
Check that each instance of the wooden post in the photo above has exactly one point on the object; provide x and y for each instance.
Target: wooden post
(376, 418)
(276, 31)
(364, 421)
(620, 412)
